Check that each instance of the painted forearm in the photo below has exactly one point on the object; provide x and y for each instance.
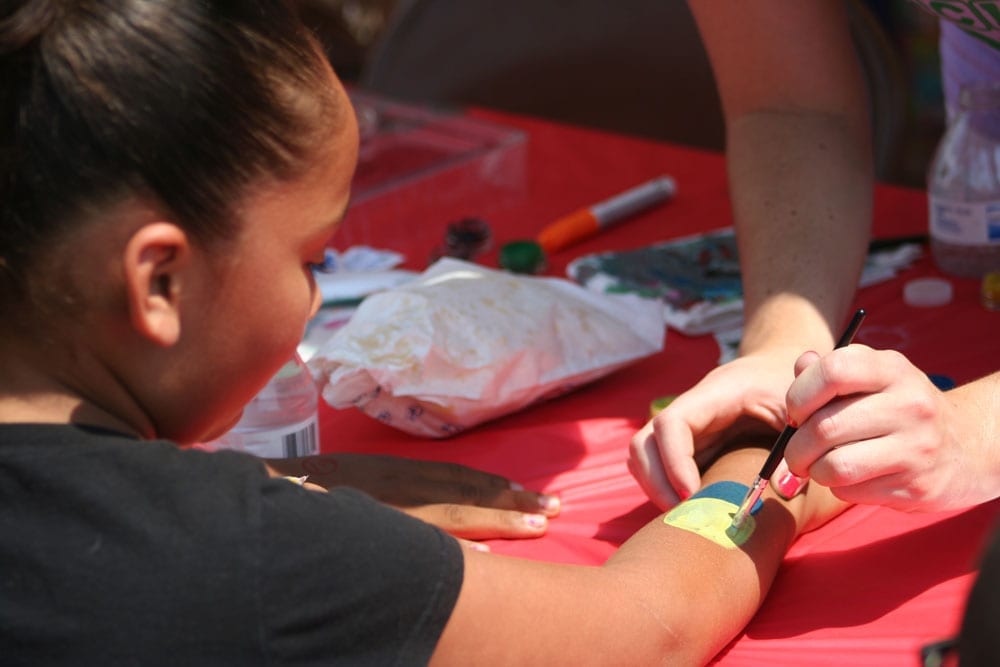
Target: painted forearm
(668, 596)
(702, 586)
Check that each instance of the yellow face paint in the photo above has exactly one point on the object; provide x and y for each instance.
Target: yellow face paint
(709, 513)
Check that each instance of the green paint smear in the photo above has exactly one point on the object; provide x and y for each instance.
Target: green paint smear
(712, 519)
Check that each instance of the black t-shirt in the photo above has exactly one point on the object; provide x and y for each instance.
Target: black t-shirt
(115, 551)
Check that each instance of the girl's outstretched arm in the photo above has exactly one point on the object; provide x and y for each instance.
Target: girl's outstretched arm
(675, 593)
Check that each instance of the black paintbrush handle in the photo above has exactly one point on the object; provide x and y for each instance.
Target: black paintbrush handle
(778, 449)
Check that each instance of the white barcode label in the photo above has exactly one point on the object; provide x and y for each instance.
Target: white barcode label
(303, 442)
(299, 439)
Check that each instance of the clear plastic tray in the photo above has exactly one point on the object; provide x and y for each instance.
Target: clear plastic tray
(426, 164)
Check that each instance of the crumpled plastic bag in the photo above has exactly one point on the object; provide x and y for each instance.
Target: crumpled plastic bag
(463, 344)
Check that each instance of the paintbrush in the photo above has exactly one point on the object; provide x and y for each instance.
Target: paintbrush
(778, 449)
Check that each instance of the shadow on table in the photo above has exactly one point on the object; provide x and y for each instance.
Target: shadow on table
(857, 586)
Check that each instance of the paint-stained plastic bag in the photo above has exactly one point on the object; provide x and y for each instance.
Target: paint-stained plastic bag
(463, 344)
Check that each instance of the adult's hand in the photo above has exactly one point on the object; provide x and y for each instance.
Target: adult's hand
(740, 400)
(875, 429)
(465, 502)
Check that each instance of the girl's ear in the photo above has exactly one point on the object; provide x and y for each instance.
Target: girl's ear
(156, 259)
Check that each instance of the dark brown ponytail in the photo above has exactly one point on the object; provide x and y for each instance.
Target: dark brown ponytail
(24, 22)
(186, 101)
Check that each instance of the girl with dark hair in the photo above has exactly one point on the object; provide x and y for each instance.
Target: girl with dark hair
(168, 173)
(182, 107)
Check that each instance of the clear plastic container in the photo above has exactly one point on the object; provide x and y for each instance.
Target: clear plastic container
(282, 420)
(964, 186)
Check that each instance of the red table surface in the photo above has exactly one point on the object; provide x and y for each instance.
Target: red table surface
(870, 587)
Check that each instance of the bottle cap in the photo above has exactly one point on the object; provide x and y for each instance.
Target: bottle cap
(990, 293)
(658, 404)
(522, 257)
(464, 239)
(927, 292)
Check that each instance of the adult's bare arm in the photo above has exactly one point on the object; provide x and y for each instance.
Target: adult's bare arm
(799, 160)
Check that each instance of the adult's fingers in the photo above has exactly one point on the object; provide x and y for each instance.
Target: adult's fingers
(890, 490)
(805, 360)
(860, 421)
(850, 370)
(647, 468)
(675, 441)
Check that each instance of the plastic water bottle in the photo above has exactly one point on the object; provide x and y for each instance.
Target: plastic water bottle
(281, 421)
(964, 186)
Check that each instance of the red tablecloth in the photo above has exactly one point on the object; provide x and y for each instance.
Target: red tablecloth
(870, 587)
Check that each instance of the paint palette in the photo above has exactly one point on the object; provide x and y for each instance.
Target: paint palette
(697, 278)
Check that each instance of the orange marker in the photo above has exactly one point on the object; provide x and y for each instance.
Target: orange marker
(588, 221)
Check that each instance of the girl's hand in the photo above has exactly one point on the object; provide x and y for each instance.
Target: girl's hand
(467, 503)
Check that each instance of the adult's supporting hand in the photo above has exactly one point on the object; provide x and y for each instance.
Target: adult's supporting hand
(740, 400)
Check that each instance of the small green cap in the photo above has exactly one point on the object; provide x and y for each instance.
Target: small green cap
(522, 257)
(658, 404)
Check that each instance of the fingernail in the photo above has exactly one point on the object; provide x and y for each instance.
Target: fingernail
(478, 546)
(514, 486)
(789, 485)
(549, 503)
(536, 520)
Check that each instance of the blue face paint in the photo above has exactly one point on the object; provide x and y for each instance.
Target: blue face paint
(942, 382)
(709, 513)
(732, 492)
